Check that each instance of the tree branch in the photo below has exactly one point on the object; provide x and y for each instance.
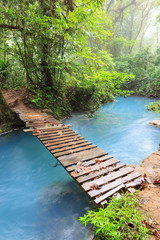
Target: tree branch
(19, 28)
(121, 10)
(109, 5)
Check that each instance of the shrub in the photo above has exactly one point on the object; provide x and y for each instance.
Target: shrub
(119, 220)
(154, 106)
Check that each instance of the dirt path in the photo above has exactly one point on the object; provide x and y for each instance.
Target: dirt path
(149, 195)
(14, 100)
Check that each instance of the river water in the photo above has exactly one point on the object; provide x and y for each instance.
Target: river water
(121, 128)
(41, 202)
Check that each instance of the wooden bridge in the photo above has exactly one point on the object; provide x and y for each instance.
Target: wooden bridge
(99, 174)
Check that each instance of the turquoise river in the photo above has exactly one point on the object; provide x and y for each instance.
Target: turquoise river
(41, 202)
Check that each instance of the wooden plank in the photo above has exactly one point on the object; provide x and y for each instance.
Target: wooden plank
(54, 127)
(46, 136)
(108, 178)
(98, 167)
(90, 162)
(83, 156)
(98, 173)
(54, 131)
(74, 151)
(60, 133)
(59, 137)
(31, 115)
(113, 184)
(135, 183)
(40, 131)
(60, 145)
(70, 147)
(38, 118)
(57, 127)
(108, 194)
(37, 126)
(44, 127)
(42, 120)
(66, 140)
(41, 124)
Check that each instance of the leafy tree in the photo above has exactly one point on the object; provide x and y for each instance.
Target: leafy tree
(61, 46)
(145, 66)
(131, 19)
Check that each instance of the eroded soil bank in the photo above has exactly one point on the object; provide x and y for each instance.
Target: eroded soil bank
(150, 194)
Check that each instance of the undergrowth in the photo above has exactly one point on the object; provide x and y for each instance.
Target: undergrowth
(119, 220)
(154, 106)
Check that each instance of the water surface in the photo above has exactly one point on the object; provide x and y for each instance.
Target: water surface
(121, 128)
(37, 201)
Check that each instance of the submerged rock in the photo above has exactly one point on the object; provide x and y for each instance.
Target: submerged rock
(8, 118)
(155, 123)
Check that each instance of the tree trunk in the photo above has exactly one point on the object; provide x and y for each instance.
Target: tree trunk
(7, 116)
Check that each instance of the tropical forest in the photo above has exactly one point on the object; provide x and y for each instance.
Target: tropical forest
(80, 119)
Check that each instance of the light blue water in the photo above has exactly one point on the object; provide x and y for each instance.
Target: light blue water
(37, 201)
(40, 202)
(121, 128)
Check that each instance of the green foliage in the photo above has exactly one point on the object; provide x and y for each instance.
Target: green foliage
(119, 220)
(119, 46)
(131, 21)
(154, 106)
(145, 66)
(61, 51)
(58, 50)
(15, 77)
(59, 104)
(4, 71)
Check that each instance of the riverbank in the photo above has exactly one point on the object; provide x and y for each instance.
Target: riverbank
(150, 193)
